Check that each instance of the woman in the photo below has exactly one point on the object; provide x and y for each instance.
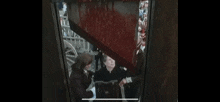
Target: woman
(110, 72)
(80, 78)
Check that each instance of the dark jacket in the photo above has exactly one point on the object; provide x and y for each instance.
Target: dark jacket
(135, 88)
(79, 82)
(138, 76)
(109, 90)
(104, 75)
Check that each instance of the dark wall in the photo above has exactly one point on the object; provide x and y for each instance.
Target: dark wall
(54, 89)
(162, 57)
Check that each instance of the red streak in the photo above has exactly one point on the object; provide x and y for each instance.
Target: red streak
(112, 29)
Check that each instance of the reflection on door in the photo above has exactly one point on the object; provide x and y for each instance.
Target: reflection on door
(75, 45)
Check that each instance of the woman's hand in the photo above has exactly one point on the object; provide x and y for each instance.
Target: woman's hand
(123, 81)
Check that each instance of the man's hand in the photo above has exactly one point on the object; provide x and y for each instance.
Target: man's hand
(123, 81)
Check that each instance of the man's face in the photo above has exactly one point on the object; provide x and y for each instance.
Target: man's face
(110, 63)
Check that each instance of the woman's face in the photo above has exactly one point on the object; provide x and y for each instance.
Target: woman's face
(87, 66)
(110, 63)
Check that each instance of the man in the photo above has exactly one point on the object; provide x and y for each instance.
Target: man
(135, 81)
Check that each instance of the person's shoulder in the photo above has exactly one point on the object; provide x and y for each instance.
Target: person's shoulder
(123, 69)
(98, 75)
(75, 75)
(99, 71)
(90, 72)
(140, 53)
